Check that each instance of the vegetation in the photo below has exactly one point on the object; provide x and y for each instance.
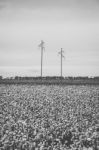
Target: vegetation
(50, 80)
(41, 117)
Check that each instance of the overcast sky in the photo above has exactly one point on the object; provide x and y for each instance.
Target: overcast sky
(69, 24)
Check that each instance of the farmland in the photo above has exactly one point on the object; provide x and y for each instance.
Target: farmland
(49, 117)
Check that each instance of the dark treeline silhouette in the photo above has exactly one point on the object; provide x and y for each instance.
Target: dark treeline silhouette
(1, 77)
(39, 78)
(50, 80)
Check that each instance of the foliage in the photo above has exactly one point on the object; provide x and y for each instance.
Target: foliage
(49, 117)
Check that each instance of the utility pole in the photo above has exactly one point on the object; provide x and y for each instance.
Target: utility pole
(61, 54)
(41, 45)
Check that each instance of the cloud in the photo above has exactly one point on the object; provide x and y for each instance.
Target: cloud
(38, 4)
(2, 4)
(69, 10)
(52, 3)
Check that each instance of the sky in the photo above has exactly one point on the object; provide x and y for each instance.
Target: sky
(69, 24)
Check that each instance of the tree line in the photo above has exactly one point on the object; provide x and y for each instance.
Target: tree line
(50, 78)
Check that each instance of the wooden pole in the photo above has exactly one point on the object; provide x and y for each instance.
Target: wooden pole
(41, 59)
(42, 47)
(61, 62)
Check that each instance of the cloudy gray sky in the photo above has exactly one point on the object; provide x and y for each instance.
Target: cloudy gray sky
(70, 24)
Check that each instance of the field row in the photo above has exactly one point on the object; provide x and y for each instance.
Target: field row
(41, 117)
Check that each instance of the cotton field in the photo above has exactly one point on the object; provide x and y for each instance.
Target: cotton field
(49, 117)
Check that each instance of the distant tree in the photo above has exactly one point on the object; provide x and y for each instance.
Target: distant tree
(16, 78)
(70, 78)
(96, 78)
(1, 77)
